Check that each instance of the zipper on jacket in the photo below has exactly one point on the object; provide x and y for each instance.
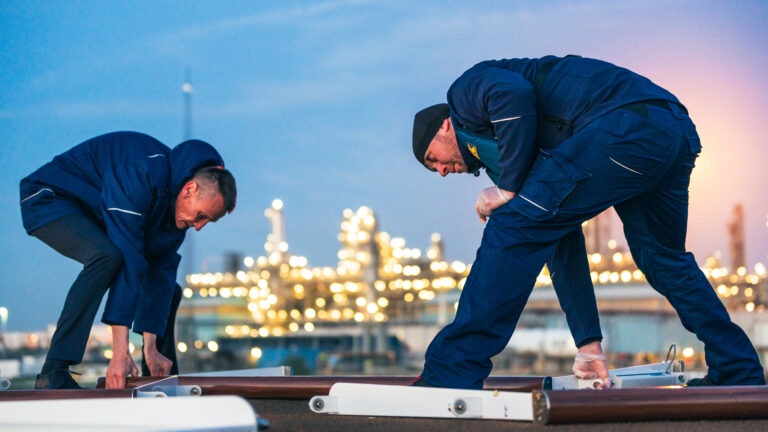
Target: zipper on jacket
(558, 121)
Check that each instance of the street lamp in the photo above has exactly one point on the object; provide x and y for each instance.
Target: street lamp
(3, 318)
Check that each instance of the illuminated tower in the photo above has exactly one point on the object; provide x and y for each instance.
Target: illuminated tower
(435, 251)
(736, 235)
(359, 258)
(276, 246)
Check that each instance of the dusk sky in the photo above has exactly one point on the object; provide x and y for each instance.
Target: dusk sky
(313, 103)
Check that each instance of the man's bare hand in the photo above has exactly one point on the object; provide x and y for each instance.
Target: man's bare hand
(120, 366)
(490, 199)
(590, 364)
(158, 364)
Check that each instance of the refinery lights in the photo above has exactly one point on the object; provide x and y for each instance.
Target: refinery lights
(379, 278)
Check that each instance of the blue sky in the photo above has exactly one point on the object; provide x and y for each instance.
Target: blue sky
(312, 102)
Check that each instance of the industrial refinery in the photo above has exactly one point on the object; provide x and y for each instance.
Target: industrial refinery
(380, 306)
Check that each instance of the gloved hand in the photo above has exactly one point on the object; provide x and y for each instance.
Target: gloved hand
(490, 199)
(590, 364)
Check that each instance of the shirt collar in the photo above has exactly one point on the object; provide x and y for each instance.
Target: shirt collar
(473, 163)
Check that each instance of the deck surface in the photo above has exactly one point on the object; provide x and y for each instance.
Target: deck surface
(295, 415)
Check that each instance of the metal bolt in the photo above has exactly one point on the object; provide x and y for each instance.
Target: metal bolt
(262, 424)
(459, 407)
(318, 404)
(194, 391)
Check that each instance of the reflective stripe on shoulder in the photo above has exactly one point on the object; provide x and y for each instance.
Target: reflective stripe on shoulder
(532, 203)
(156, 155)
(36, 193)
(123, 210)
(505, 119)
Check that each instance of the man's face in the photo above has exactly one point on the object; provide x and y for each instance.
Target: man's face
(195, 210)
(443, 155)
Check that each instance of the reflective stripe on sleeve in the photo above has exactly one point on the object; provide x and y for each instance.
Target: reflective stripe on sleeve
(505, 119)
(124, 211)
(36, 193)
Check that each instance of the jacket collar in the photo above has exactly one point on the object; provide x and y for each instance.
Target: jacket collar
(471, 158)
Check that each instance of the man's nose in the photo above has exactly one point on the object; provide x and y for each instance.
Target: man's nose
(443, 170)
(200, 225)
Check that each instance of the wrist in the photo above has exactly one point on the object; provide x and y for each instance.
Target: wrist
(591, 348)
(585, 357)
(507, 195)
(120, 353)
(119, 338)
(150, 343)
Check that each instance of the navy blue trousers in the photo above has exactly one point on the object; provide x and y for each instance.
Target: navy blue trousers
(569, 270)
(77, 237)
(641, 166)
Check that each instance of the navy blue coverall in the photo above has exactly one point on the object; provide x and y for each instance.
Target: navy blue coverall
(572, 137)
(109, 203)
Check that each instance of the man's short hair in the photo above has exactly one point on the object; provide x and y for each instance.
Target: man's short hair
(426, 123)
(219, 180)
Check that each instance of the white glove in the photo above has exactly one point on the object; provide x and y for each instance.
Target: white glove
(591, 366)
(490, 199)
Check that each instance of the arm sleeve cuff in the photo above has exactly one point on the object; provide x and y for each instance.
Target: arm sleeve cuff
(589, 340)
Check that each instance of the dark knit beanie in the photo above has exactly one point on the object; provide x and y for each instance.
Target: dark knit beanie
(426, 123)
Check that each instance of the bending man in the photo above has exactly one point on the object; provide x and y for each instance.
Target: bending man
(563, 139)
(120, 204)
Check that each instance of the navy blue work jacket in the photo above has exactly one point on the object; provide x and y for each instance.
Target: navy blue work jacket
(127, 182)
(496, 99)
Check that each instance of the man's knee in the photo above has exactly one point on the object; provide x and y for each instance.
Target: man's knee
(176, 295)
(108, 259)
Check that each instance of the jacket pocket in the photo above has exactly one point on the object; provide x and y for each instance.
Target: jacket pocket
(553, 130)
(694, 144)
(551, 181)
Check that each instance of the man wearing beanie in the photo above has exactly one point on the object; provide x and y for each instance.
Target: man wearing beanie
(562, 139)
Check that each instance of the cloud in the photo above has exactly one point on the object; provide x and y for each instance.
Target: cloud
(449, 38)
(426, 49)
(279, 16)
(271, 96)
(113, 108)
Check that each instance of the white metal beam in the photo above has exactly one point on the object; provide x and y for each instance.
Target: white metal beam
(404, 401)
(220, 413)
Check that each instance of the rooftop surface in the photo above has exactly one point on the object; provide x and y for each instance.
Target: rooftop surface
(295, 415)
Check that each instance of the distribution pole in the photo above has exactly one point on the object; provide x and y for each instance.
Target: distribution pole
(186, 329)
(189, 249)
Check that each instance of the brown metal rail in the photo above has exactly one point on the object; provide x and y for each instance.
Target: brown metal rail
(649, 404)
(22, 395)
(305, 387)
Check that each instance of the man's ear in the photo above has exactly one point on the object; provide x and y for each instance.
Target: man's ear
(190, 188)
(446, 126)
